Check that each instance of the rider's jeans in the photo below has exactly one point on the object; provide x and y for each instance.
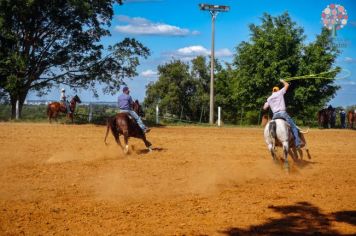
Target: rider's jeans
(67, 106)
(136, 117)
(290, 121)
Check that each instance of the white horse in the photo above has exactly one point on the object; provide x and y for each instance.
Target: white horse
(278, 133)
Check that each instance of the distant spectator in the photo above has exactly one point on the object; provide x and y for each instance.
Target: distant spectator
(343, 119)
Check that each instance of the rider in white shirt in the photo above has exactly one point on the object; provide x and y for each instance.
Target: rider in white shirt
(64, 100)
(278, 107)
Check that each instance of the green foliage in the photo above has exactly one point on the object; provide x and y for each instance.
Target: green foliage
(46, 42)
(182, 90)
(173, 91)
(276, 50)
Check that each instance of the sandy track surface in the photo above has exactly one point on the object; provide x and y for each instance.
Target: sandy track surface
(63, 180)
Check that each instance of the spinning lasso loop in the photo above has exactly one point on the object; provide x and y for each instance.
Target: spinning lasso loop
(322, 75)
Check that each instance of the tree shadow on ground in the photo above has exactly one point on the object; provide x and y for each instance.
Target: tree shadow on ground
(301, 218)
(345, 216)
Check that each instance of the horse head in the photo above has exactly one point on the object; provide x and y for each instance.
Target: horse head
(76, 99)
(137, 108)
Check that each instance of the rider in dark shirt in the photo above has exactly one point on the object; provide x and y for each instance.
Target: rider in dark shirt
(125, 104)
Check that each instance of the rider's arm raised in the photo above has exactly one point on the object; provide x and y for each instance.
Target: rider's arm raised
(286, 85)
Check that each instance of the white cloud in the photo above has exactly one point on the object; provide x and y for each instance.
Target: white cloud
(190, 52)
(142, 26)
(193, 50)
(149, 74)
(349, 59)
(223, 53)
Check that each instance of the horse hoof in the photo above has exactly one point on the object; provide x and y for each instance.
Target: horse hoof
(150, 149)
(126, 149)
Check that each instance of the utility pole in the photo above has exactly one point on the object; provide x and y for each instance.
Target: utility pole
(214, 10)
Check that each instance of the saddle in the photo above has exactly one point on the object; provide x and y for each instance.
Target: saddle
(279, 117)
(129, 116)
(64, 107)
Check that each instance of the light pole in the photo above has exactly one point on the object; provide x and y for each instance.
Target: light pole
(214, 10)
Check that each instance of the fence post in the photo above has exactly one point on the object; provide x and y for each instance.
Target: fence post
(242, 112)
(90, 116)
(157, 114)
(219, 116)
(17, 109)
(259, 117)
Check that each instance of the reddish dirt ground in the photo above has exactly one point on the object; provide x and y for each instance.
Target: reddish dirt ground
(63, 180)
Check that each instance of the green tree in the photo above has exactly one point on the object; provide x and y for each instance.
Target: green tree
(183, 88)
(276, 50)
(200, 74)
(173, 90)
(223, 93)
(47, 42)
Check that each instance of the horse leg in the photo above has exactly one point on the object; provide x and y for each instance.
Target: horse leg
(285, 154)
(294, 154)
(307, 150)
(126, 138)
(118, 141)
(54, 115)
(272, 151)
(147, 143)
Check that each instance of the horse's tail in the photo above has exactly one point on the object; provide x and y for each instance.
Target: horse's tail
(111, 124)
(272, 131)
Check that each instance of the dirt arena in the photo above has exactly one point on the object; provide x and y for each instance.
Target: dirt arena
(63, 180)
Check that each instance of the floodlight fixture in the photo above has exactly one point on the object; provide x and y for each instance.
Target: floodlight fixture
(209, 7)
(214, 10)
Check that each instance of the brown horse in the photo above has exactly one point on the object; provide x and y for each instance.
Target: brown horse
(326, 118)
(54, 108)
(351, 119)
(123, 124)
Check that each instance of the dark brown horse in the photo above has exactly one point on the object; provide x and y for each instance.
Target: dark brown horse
(325, 118)
(54, 108)
(351, 119)
(123, 124)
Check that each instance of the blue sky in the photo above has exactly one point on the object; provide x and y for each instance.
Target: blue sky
(178, 29)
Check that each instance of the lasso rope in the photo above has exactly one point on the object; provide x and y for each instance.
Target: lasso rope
(322, 75)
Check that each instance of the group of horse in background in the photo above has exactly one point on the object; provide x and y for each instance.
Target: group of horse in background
(327, 118)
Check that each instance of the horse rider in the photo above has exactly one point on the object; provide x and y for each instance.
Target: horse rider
(278, 107)
(125, 105)
(64, 100)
